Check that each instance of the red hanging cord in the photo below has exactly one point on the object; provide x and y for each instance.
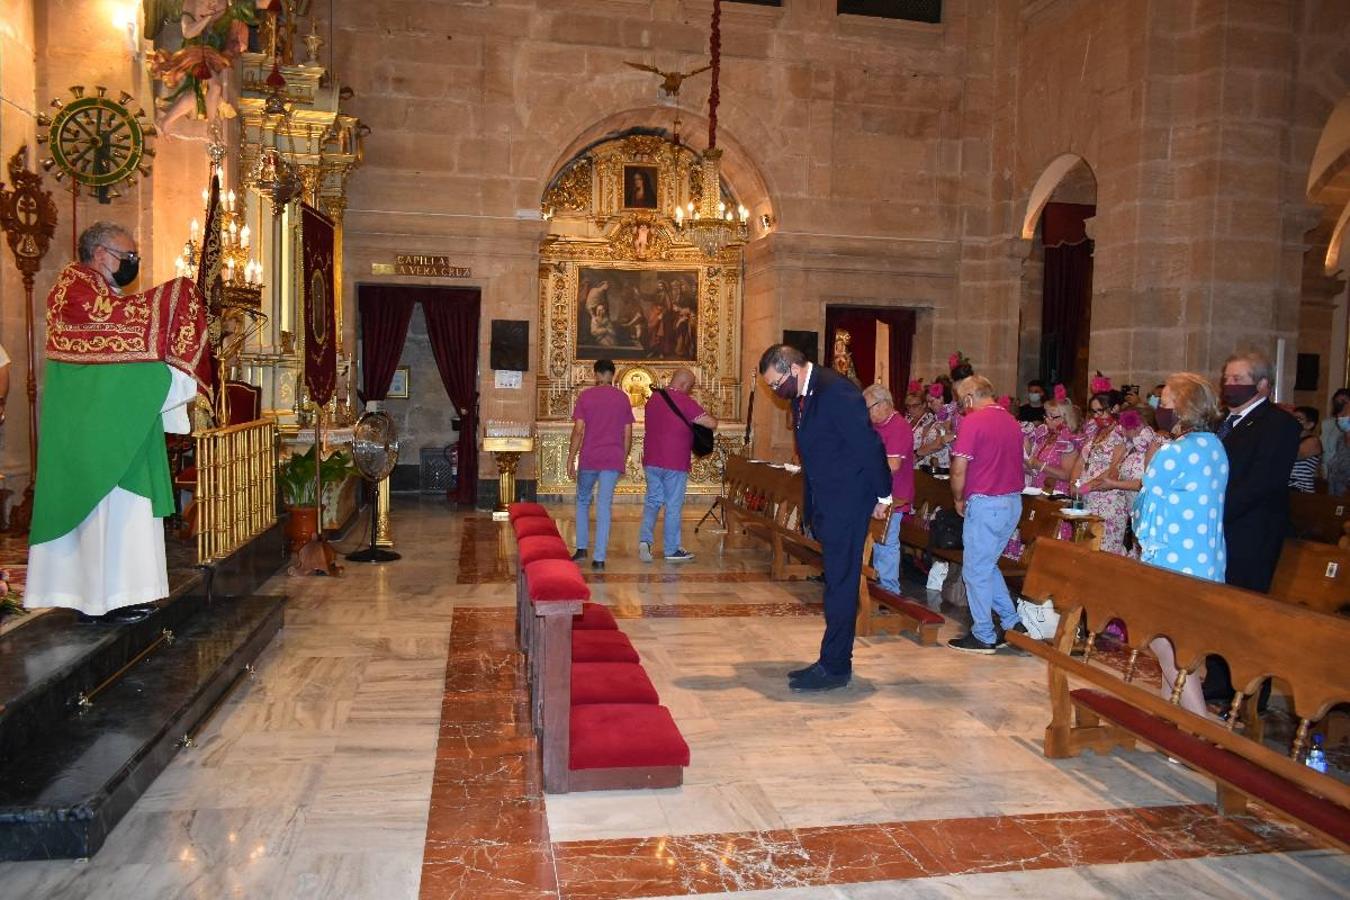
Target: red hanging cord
(715, 51)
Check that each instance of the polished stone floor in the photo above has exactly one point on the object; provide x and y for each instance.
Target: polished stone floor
(381, 751)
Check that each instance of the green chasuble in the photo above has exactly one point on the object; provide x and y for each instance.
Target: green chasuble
(100, 428)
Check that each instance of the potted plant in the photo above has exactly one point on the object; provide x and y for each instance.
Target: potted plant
(296, 474)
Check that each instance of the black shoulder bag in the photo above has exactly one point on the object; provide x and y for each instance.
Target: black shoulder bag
(703, 435)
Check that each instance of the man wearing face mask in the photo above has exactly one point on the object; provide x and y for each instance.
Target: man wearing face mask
(120, 370)
(846, 481)
(1262, 443)
(1032, 410)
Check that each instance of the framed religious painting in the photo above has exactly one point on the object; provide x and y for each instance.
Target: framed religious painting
(637, 314)
(639, 186)
(398, 385)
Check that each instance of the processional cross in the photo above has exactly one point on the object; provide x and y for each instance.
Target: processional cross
(28, 217)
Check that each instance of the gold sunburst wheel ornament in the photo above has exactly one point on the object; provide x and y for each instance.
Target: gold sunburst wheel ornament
(99, 142)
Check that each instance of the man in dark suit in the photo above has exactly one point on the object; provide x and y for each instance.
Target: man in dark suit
(1262, 443)
(846, 482)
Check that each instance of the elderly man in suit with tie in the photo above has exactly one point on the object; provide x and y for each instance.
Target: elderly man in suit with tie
(1262, 443)
(846, 482)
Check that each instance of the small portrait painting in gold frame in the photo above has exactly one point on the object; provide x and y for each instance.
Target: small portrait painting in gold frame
(639, 187)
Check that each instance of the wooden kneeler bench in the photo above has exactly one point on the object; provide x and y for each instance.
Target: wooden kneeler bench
(621, 739)
(1257, 636)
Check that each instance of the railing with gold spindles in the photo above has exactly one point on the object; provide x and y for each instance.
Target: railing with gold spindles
(236, 486)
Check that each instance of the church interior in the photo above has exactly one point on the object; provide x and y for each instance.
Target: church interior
(379, 250)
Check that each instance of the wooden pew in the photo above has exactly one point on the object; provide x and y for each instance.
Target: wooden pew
(1256, 635)
(1318, 517)
(1038, 520)
(769, 502)
(1313, 575)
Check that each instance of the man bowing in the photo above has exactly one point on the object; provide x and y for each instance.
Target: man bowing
(120, 370)
(846, 482)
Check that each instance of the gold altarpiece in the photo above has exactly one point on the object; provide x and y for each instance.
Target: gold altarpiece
(618, 280)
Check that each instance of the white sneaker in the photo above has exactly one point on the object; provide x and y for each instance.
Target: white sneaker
(644, 551)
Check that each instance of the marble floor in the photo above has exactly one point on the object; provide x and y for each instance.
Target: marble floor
(381, 750)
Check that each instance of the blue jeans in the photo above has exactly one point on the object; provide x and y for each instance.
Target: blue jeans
(989, 523)
(886, 556)
(665, 487)
(586, 481)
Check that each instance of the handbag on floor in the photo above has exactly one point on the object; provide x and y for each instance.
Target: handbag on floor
(945, 531)
(1041, 619)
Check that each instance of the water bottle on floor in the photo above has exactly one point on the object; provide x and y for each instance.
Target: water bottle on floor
(1317, 757)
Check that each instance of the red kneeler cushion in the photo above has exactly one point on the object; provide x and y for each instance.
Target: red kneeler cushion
(595, 617)
(602, 646)
(525, 510)
(1263, 786)
(625, 735)
(534, 525)
(611, 682)
(556, 579)
(542, 546)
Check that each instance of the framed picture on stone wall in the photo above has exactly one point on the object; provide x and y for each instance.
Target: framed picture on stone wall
(398, 387)
(628, 314)
(639, 186)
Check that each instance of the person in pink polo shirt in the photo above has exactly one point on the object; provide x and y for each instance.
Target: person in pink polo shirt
(602, 430)
(666, 452)
(897, 439)
(987, 489)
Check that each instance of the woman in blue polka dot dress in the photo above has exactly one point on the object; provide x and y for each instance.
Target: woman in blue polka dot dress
(1178, 515)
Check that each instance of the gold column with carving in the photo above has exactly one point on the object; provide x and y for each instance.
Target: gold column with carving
(384, 534)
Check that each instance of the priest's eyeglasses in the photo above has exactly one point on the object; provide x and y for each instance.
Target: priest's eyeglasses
(122, 254)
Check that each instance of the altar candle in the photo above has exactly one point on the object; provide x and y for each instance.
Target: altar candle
(243, 237)
(193, 229)
(229, 270)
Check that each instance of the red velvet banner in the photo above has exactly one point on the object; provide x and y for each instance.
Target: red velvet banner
(317, 236)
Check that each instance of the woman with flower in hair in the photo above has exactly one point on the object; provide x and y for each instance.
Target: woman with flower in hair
(938, 433)
(1102, 451)
(1052, 450)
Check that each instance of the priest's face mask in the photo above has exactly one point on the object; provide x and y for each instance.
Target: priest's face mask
(118, 260)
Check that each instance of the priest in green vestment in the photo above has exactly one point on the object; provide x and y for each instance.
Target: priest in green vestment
(120, 371)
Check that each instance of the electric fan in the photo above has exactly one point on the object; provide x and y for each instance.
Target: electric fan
(374, 453)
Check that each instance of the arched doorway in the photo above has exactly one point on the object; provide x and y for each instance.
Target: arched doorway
(1056, 305)
(1323, 363)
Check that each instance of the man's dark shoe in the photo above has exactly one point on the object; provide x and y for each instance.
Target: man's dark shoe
(598, 565)
(1000, 635)
(579, 555)
(817, 678)
(971, 644)
(798, 673)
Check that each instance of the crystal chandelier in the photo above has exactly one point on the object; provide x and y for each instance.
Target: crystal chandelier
(241, 275)
(711, 225)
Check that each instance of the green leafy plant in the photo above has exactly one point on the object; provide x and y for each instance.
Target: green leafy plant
(296, 475)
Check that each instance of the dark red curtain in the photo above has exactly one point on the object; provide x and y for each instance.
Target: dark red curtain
(1066, 295)
(317, 237)
(385, 312)
(452, 327)
(861, 324)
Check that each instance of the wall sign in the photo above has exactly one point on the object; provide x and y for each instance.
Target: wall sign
(421, 265)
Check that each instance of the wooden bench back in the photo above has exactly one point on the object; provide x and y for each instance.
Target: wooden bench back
(1257, 636)
(1318, 517)
(1313, 575)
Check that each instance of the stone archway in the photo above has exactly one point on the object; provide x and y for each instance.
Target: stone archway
(1323, 330)
(1057, 349)
(739, 169)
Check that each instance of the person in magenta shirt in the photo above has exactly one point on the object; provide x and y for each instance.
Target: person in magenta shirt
(987, 489)
(666, 450)
(602, 430)
(897, 439)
